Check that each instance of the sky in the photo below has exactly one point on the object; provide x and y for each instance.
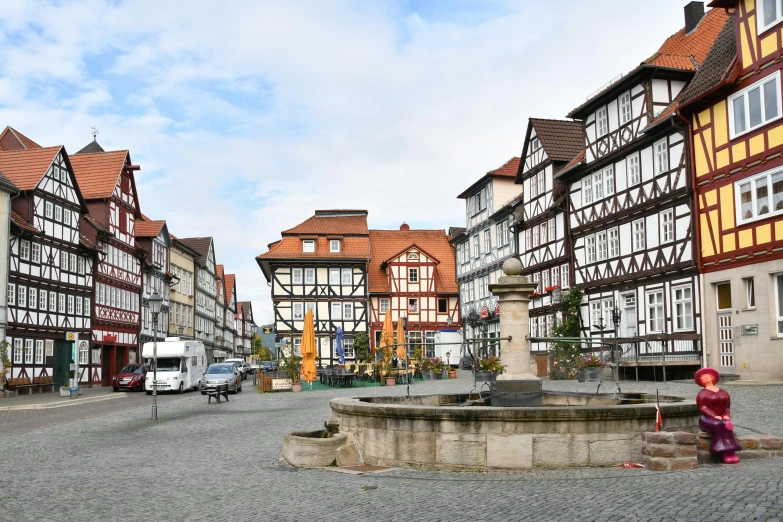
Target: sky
(246, 116)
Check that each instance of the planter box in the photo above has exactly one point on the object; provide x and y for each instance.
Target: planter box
(482, 376)
(427, 376)
(589, 374)
(64, 391)
(308, 450)
(438, 376)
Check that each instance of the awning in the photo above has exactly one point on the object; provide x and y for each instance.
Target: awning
(219, 353)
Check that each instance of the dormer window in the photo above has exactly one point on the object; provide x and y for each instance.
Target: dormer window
(334, 245)
(308, 245)
(534, 145)
(771, 14)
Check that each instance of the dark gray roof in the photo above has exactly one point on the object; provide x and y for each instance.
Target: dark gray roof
(562, 140)
(712, 72)
(93, 146)
(200, 245)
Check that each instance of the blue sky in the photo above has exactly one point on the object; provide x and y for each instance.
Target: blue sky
(246, 116)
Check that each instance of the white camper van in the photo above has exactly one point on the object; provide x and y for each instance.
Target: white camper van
(180, 365)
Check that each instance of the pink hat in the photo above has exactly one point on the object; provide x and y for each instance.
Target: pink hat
(701, 372)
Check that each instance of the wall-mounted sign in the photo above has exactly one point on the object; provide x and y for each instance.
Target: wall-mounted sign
(71, 336)
(484, 312)
(267, 330)
(750, 329)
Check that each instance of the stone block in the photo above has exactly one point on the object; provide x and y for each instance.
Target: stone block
(510, 451)
(560, 452)
(453, 451)
(660, 450)
(348, 454)
(748, 443)
(682, 464)
(376, 423)
(614, 451)
(705, 457)
(415, 446)
(660, 437)
(682, 437)
(770, 442)
(377, 443)
(303, 450)
(686, 451)
(703, 444)
(654, 464)
(753, 454)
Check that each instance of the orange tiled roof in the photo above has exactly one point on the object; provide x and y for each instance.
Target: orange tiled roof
(290, 247)
(26, 167)
(333, 222)
(24, 141)
(23, 223)
(147, 228)
(230, 278)
(97, 173)
(219, 271)
(507, 170)
(387, 243)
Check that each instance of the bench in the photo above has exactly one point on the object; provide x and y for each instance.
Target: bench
(22, 385)
(221, 389)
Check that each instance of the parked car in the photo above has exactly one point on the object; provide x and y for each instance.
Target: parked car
(240, 364)
(221, 373)
(268, 366)
(248, 368)
(131, 377)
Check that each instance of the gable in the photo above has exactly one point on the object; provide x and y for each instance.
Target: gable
(60, 181)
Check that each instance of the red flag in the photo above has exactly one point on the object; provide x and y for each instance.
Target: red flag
(658, 418)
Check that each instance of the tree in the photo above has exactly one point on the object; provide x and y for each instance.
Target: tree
(260, 349)
(567, 353)
(361, 347)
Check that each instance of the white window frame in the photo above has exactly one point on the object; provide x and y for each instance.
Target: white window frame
(666, 223)
(348, 311)
(334, 276)
(307, 308)
(551, 234)
(779, 302)
(308, 246)
(337, 311)
(32, 298)
(587, 191)
(384, 304)
(752, 180)
(487, 241)
(760, 25)
(749, 283)
(685, 303)
(413, 275)
(601, 122)
(613, 235)
(346, 277)
(555, 275)
(297, 311)
(638, 229)
(49, 210)
(334, 245)
(24, 249)
(415, 302)
(626, 112)
(18, 351)
(39, 351)
(743, 94)
(590, 249)
(661, 156)
(66, 217)
(307, 273)
(541, 183)
(35, 253)
(602, 245)
(11, 295)
(58, 213)
(598, 185)
(42, 301)
(608, 175)
(564, 273)
(296, 276)
(21, 296)
(659, 319)
(476, 247)
(29, 351)
(634, 169)
(53, 302)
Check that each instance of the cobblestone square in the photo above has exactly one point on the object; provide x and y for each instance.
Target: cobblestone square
(221, 462)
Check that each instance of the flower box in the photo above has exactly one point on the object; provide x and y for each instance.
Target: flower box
(592, 374)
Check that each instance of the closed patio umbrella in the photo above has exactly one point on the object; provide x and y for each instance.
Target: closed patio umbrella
(307, 349)
(387, 337)
(400, 341)
(339, 342)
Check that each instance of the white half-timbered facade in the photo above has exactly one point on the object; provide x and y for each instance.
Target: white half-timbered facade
(542, 225)
(50, 280)
(321, 265)
(205, 317)
(153, 238)
(485, 243)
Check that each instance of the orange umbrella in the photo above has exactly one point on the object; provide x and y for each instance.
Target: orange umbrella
(387, 337)
(400, 341)
(307, 349)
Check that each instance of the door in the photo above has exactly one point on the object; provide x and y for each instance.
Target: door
(62, 362)
(107, 360)
(725, 332)
(629, 315)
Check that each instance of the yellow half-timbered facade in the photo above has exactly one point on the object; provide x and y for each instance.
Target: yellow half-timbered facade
(733, 107)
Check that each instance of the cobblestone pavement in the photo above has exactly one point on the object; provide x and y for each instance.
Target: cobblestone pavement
(221, 462)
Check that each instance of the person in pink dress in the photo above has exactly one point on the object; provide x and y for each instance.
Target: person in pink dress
(714, 404)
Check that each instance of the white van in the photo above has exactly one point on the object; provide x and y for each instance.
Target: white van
(181, 365)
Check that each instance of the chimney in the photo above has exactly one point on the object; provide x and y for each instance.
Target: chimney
(694, 12)
(404, 227)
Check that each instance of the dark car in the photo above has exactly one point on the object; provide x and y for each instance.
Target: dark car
(131, 377)
(268, 366)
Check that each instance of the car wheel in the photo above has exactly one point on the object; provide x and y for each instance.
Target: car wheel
(182, 387)
(148, 392)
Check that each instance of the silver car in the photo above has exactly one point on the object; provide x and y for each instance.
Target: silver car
(221, 373)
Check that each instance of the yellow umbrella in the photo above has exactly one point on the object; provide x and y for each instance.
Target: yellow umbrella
(400, 341)
(387, 337)
(307, 349)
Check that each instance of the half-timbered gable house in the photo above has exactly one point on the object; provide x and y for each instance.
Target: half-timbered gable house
(7, 190)
(245, 309)
(320, 265)
(205, 317)
(223, 334)
(233, 338)
(733, 106)
(483, 245)
(542, 225)
(153, 238)
(109, 188)
(50, 271)
(183, 301)
(413, 274)
(630, 209)
(12, 139)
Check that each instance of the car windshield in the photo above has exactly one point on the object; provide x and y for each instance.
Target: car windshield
(166, 364)
(132, 368)
(219, 368)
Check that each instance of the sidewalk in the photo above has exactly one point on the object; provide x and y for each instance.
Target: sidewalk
(37, 401)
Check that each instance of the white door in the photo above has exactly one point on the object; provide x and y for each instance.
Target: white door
(629, 314)
(725, 332)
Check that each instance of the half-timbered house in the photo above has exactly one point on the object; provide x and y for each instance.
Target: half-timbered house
(221, 332)
(51, 270)
(205, 316)
(245, 311)
(108, 185)
(413, 274)
(733, 106)
(483, 245)
(233, 335)
(630, 209)
(153, 238)
(320, 265)
(183, 301)
(542, 224)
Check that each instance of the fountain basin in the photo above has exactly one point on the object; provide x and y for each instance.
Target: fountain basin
(461, 431)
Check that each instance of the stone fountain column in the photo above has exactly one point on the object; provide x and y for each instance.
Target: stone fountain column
(513, 291)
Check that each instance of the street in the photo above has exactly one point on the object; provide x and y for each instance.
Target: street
(107, 461)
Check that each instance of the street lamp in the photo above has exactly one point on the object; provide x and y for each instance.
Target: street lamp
(155, 302)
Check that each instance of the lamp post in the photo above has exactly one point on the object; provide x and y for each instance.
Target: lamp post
(155, 301)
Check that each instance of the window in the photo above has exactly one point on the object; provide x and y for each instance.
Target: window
(308, 245)
(537, 281)
(80, 265)
(603, 247)
(32, 297)
(625, 108)
(413, 305)
(36, 253)
(476, 246)
(638, 235)
(58, 213)
(564, 273)
(683, 308)
(18, 351)
(11, 295)
(479, 201)
(49, 210)
(545, 280)
(443, 305)
(534, 144)
(535, 237)
(413, 275)
(28, 351)
(21, 299)
(334, 245)
(309, 276)
(555, 276)
(587, 191)
(296, 277)
(755, 106)
(73, 263)
(384, 306)
(528, 239)
(310, 307)
(590, 246)
(632, 166)
(753, 199)
(771, 14)
(602, 122)
(532, 190)
(348, 311)
(655, 311)
(334, 276)
(39, 351)
(750, 293)
(598, 185)
(83, 353)
(298, 311)
(67, 217)
(595, 314)
(541, 185)
(779, 302)
(487, 241)
(614, 242)
(42, 300)
(542, 228)
(608, 173)
(24, 249)
(52, 301)
(63, 260)
(661, 157)
(337, 311)
(347, 276)
(667, 226)
(70, 305)
(551, 233)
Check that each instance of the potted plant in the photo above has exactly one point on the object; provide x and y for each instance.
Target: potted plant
(452, 373)
(292, 366)
(430, 368)
(488, 369)
(387, 369)
(589, 369)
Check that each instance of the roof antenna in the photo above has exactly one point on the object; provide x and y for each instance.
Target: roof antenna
(94, 134)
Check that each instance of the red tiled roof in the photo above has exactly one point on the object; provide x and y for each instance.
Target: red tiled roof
(560, 139)
(23, 223)
(147, 228)
(230, 278)
(384, 244)
(290, 247)
(219, 271)
(334, 222)
(98, 173)
(26, 167)
(507, 170)
(24, 141)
